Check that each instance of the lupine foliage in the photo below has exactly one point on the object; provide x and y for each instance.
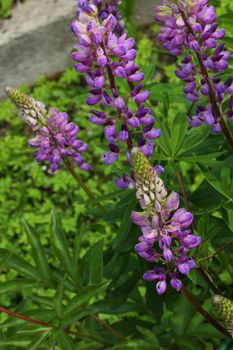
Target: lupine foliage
(74, 267)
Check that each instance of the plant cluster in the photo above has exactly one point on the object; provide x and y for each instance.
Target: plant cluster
(173, 206)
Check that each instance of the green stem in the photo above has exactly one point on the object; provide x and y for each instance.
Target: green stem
(80, 182)
(77, 178)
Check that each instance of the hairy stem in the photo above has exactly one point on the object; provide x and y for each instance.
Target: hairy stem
(80, 182)
(52, 326)
(78, 178)
(191, 298)
(212, 96)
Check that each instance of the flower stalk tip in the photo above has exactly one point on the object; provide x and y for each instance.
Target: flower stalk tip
(224, 308)
(55, 137)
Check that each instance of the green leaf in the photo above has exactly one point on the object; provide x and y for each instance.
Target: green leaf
(17, 285)
(221, 187)
(96, 263)
(78, 242)
(45, 315)
(194, 138)
(66, 342)
(36, 343)
(228, 216)
(20, 265)
(178, 132)
(84, 296)
(119, 243)
(17, 340)
(148, 335)
(60, 246)
(38, 253)
(158, 91)
(205, 199)
(73, 318)
(58, 298)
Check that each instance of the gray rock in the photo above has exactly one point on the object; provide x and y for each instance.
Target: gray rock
(37, 40)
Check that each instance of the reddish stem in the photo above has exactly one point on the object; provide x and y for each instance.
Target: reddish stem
(191, 298)
(49, 325)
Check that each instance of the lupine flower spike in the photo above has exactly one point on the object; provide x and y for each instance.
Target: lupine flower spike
(191, 26)
(224, 308)
(105, 54)
(55, 137)
(166, 239)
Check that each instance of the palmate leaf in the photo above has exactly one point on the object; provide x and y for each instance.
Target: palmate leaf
(96, 263)
(194, 137)
(91, 266)
(219, 184)
(38, 253)
(148, 335)
(136, 344)
(178, 132)
(21, 341)
(66, 342)
(84, 296)
(227, 213)
(60, 246)
(124, 239)
(18, 264)
(17, 284)
(58, 300)
(74, 317)
(157, 92)
(114, 306)
(36, 343)
(205, 199)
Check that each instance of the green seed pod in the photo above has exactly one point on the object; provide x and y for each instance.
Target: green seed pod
(224, 307)
(30, 110)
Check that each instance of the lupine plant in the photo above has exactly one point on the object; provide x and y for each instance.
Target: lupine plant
(160, 277)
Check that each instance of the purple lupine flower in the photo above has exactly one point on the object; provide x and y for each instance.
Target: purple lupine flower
(55, 137)
(105, 54)
(57, 140)
(192, 25)
(166, 239)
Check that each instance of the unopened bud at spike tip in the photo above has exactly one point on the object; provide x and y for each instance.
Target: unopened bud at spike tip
(224, 308)
(30, 110)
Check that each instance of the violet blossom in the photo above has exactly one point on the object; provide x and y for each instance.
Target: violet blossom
(55, 137)
(166, 238)
(191, 26)
(105, 54)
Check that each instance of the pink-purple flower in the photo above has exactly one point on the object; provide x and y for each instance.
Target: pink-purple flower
(57, 141)
(106, 55)
(55, 137)
(166, 238)
(191, 25)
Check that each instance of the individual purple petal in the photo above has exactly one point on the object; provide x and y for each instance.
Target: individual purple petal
(161, 287)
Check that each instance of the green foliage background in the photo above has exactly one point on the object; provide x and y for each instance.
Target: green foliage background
(64, 261)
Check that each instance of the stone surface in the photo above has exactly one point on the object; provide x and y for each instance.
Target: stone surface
(37, 40)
